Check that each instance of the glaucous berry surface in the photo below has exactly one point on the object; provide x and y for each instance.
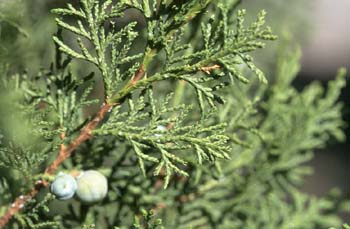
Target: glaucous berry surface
(64, 186)
(160, 128)
(92, 186)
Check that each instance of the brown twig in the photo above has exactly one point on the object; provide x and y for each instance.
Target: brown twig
(84, 135)
(65, 152)
(208, 69)
(19, 202)
(138, 75)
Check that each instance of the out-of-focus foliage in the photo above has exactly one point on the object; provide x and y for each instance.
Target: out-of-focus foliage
(25, 38)
(292, 19)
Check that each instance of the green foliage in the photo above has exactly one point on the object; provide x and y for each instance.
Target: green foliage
(344, 226)
(312, 117)
(104, 43)
(5, 195)
(139, 127)
(148, 221)
(25, 32)
(190, 108)
(34, 217)
(18, 158)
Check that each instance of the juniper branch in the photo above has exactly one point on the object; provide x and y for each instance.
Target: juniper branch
(85, 134)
